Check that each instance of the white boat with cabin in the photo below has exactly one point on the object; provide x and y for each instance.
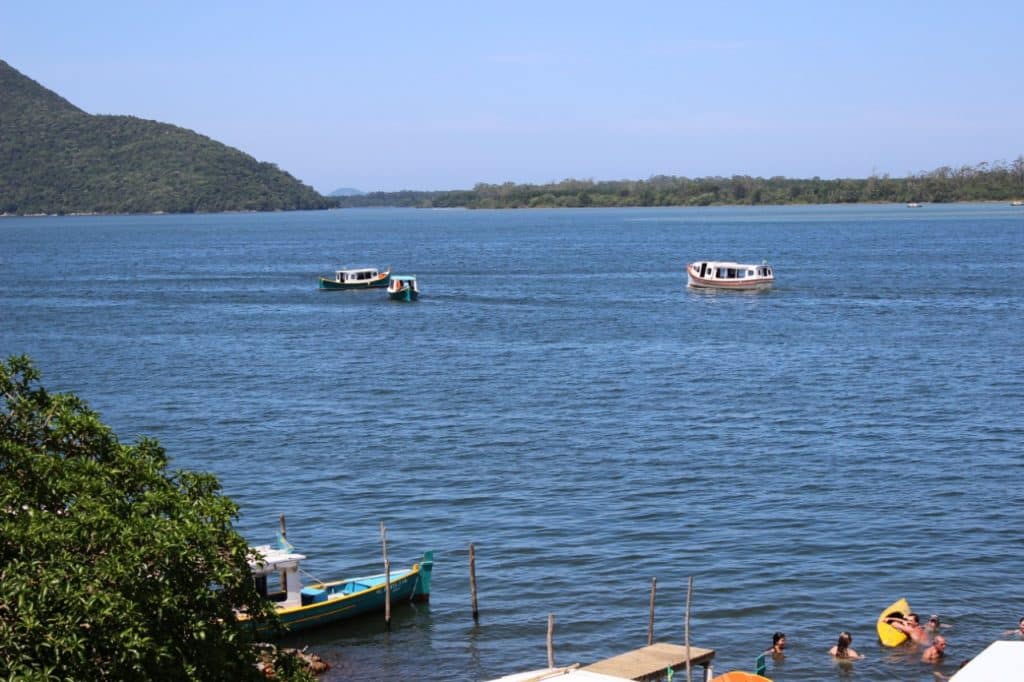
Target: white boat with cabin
(356, 278)
(713, 274)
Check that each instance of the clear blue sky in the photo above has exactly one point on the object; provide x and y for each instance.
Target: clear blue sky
(442, 95)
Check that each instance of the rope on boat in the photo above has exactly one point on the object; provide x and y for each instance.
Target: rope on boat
(415, 586)
(311, 576)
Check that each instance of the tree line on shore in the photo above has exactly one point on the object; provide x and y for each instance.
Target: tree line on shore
(997, 181)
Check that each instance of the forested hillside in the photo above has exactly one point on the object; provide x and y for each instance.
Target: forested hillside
(56, 158)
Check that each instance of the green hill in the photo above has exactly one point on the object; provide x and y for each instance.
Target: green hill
(56, 158)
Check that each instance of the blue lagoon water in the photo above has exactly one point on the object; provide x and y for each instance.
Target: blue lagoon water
(561, 400)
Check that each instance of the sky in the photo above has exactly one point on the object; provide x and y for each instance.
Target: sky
(443, 95)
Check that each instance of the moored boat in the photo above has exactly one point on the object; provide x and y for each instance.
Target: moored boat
(711, 274)
(356, 278)
(403, 288)
(914, 204)
(277, 575)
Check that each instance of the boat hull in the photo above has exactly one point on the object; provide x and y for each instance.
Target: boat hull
(345, 599)
(725, 276)
(405, 294)
(745, 285)
(332, 285)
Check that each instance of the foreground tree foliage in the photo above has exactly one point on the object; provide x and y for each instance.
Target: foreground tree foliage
(112, 568)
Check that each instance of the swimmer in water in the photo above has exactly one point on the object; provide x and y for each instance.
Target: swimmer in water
(911, 627)
(842, 648)
(936, 651)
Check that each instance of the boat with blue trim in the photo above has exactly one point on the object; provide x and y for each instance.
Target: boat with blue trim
(278, 578)
(356, 278)
(403, 288)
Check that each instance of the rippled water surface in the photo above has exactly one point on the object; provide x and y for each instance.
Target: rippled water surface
(560, 399)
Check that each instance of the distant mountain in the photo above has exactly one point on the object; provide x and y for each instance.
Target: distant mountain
(56, 158)
(346, 192)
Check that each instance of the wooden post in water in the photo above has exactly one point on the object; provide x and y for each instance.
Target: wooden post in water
(472, 582)
(551, 640)
(650, 616)
(284, 543)
(387, 579)
(689, 592)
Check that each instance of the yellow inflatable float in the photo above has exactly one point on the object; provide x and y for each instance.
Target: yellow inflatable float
(739, 676)
(887, 634)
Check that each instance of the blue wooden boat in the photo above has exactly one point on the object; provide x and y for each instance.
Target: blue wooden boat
(403, 288)
(277, 576)
(356, 278)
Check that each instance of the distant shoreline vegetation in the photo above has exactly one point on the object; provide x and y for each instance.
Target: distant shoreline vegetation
(998, 181)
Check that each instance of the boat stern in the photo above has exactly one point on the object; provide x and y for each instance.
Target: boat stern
(426, 567)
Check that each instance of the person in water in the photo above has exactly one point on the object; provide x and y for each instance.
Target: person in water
(936, 651)
(1020, 629)
(842, 648)
(778, 649)
(911, 627)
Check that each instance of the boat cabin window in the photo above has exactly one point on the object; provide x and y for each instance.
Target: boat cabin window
(703, 268)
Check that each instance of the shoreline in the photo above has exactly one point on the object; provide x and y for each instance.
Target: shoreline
(87, 214)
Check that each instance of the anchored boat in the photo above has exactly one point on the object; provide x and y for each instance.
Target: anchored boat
(712, 274)
(277, 575)
(403, 288)
(356, 278)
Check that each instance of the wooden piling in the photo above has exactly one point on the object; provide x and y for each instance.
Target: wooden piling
(284, 543)
(650, 616)
(551, 640)
(387, 579)
(472, 582)
(689, 593)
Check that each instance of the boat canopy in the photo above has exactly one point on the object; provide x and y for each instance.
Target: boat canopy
(731, 270)
(356, 274)
(274, 560)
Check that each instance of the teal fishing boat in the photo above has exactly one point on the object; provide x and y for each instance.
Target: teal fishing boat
(277, 575)
(403, 288)
(356, 278)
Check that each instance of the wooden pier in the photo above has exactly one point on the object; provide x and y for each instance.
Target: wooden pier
(651, 662)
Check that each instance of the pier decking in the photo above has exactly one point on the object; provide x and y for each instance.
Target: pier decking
(650, 662)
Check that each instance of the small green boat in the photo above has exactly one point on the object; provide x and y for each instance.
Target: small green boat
(403, 288)
(302, 607)
(356, 278)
